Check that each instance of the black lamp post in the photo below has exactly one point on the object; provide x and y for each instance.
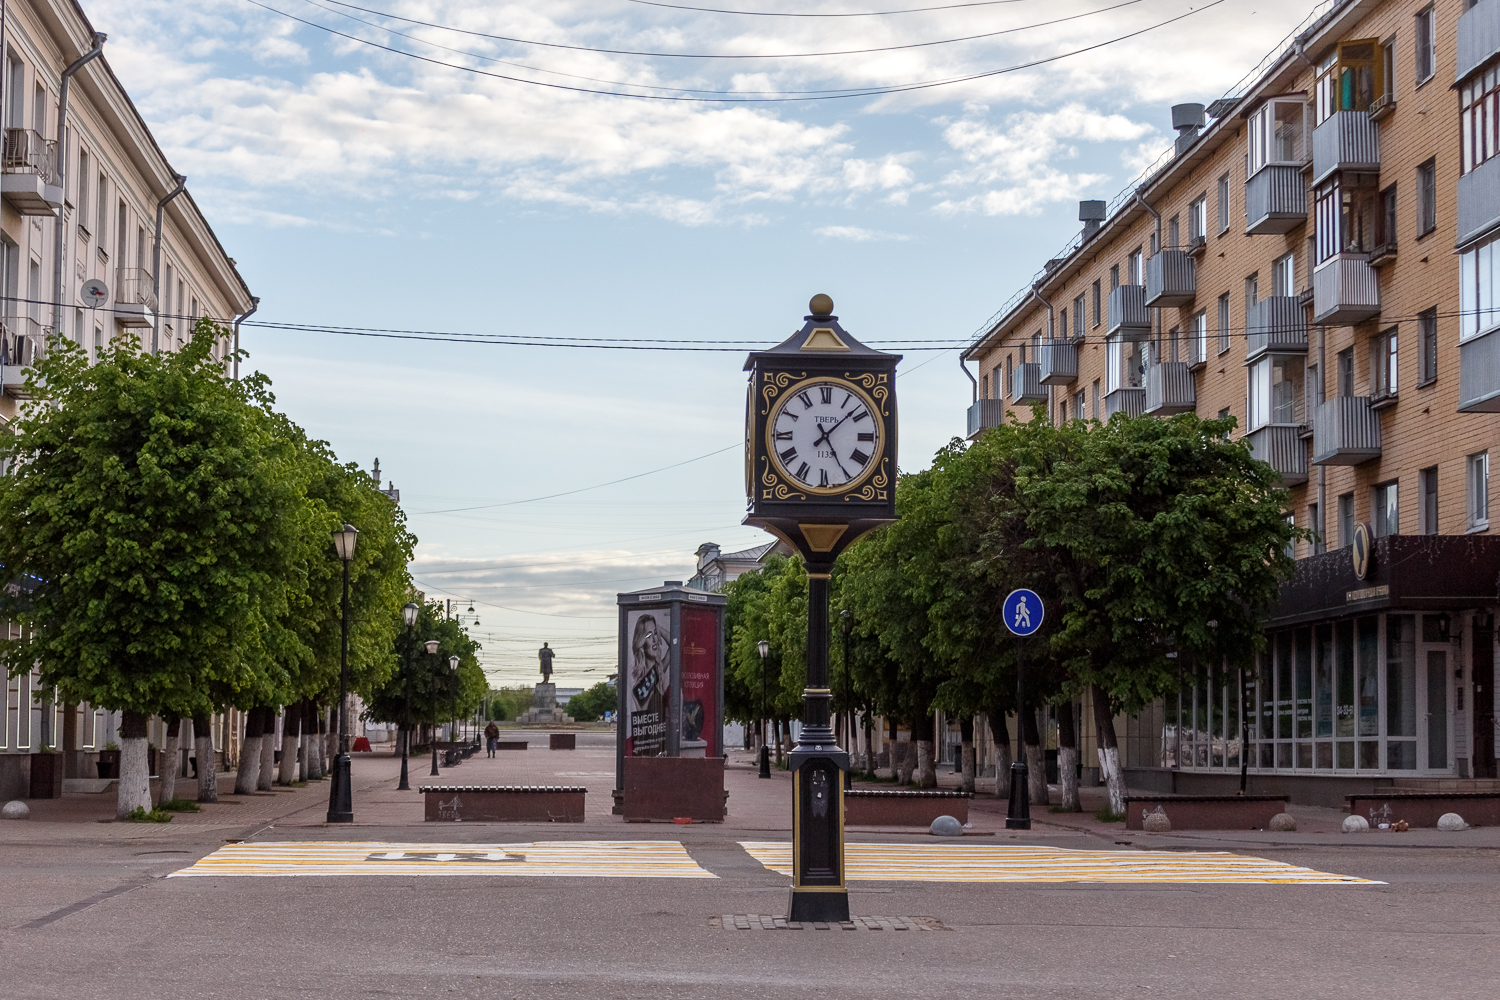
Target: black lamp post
(432, 648)
(764, 648)
(846, 624)
(453, 680)
(409, 615)
(341, 793)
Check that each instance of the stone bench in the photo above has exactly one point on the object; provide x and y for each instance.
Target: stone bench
(879, 807)
(1424, 808)
(510, 744)
(562, 741)
(668, 789)
(504, 803)
(1205, 812)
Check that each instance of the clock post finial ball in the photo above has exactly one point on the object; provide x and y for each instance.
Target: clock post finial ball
(821, 306)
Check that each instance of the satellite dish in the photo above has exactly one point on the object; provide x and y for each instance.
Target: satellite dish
(94, 293)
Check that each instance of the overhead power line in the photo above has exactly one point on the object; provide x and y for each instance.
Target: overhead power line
(866, 13)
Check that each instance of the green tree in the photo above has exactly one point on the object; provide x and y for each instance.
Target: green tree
(157, 521)
(434, 692)
(768, 604)
(591, 704)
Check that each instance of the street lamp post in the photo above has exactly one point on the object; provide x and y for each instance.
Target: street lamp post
(341, 794)
(432, 648)
(846, 624)
(409, 615)
(453, 679)
(764, 648)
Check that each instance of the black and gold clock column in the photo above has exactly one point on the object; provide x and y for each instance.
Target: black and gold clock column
(820, 471)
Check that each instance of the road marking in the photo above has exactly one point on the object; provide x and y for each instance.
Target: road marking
(554, 858)
(994, 863)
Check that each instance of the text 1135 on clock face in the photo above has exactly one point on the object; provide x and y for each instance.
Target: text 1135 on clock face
(825, 434)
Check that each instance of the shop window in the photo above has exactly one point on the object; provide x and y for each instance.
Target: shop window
(1428, 515)
(1400, 692)
(1383, 364)
(1385, 510)
(1276, 135)
(1479, 121)
(1426, 198)
(1479, 491)
(1426, 25)
(1368, 665)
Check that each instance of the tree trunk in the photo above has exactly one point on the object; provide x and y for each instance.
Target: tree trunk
(307, 734)
(312, 744)
(1001, 734)
(134, 789)
(1036, 760)
(922, 733)
(869, 745)
(966, 733)
(208, 769)
(782, 731)
(908, 759)
(267, 749)
(1109, 749)
(331, 741)
(291, 731)
(248, 773)
(171, 762)
(1067, 756)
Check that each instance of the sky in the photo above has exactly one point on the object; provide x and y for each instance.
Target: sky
(363, 188)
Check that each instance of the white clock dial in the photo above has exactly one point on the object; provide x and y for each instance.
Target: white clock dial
(825, 434)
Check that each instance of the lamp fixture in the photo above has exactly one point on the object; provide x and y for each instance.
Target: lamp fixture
(409, 614)
(344, 540)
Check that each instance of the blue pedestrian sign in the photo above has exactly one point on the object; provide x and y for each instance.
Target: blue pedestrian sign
(1023, 611)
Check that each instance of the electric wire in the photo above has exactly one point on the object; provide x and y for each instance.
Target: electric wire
(867, 13)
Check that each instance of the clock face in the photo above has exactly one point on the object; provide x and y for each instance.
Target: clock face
(825, 434)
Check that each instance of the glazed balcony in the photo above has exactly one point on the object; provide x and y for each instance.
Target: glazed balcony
(1479, 200)
(1345, 290)
(1282, 447)
(1346, 431)
(1478, 37)
(1026, 385)
(984, 414)
(1479, 373)
(1170, 389)
(1129, 319)
(1275, 201)
(1059, 362)
(28, 173)
(1276, 325)
(1347, 140)
(1171, 279)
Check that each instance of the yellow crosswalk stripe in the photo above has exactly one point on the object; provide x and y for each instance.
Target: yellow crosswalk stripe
(997, 863)
(556, 858)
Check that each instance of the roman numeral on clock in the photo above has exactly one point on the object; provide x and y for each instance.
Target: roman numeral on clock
(861, 415)
(826, 391)
(822, 477)
(866, 435)
(801, 472)
(783, 435)
(789, 455)
(859, 456)
(807, 402)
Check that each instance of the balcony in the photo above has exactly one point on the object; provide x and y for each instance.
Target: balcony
(1346, 431)
(1478, 37)
(135, 301)
(1275, 201)
(22, 341)
(1058, 360)
(1281, 446)
(1347, 140)
(1171, 279)
(1170, 389)
(1276, 325)
(1345, 290)
(1131, 402)
(1479, 200)
(1026, 385)
(1479, 374)
(984, 414)
(28, 173)
(1128, 317)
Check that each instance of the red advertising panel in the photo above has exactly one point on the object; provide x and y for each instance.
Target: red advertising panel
(700, 683)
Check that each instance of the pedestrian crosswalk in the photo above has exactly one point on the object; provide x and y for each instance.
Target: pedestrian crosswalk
(556, 858)
(1003, 863)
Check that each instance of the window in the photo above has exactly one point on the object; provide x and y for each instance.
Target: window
(1198, 219)
(1388, 64)
(1275, 392)
(101, 231)
(1252, 292)
(1095, 411)
(120, 237)
(1426, 198)
(1275, 135)
(1315, 522)
(1385, 511)
(1080, 401)
(1062, 322)
(1114, 277)
(1478, 283)
(15, 89)
(997, 386)
(1345, 361)
(1350, 78)
(1291, 544)
(1346, 520)
(1284, 275)
(984, 386)
(1383, 367)
(1197, 338)
(1098, 306)
(1479, 491)
(1346, 213)
(1428, 515)
(84, 173)
(1385, 229)
(1223, 322)
(1078, 316)
(1479, 121)
(1134, 267)
(1426, 44)
(1427, 346)
(1174, 232)
(1224, 204)
(39, 109)
(1062, 411)
(1126, 365)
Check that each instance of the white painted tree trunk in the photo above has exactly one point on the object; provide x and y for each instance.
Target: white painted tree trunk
(267, 774)
(134, 788)
(926, 768)
(1067, 776)
(967, 758)
(908, 762)
(208, 769)
(1002, 771)
(289, 736)
(168, 762)
(1114, 778)
(869, 746)
(312, 750)
(1036, 766)
(248, 774)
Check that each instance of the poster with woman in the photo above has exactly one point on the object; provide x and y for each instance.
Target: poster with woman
(648, 679)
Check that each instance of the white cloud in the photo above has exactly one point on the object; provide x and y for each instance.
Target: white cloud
(857, 234)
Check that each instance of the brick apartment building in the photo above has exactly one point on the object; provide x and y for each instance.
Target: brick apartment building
(1320, 258)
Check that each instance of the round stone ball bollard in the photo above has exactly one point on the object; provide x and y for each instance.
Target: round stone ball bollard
(1283, 823)
(1156, 822)
(1355, 824)
(946, 826)
(1451, 822)
(15, 809)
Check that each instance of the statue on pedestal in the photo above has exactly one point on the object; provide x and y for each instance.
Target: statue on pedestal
(545, 655)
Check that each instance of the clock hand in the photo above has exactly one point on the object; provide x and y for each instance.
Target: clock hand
(836, 461)
(830, 430)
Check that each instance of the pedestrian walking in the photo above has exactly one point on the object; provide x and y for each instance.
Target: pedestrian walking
(491, 738)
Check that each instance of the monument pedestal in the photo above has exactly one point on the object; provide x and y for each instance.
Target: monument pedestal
(544, 710)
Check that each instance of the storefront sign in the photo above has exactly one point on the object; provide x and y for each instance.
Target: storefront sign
(1362, 552)
(1368, 593)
